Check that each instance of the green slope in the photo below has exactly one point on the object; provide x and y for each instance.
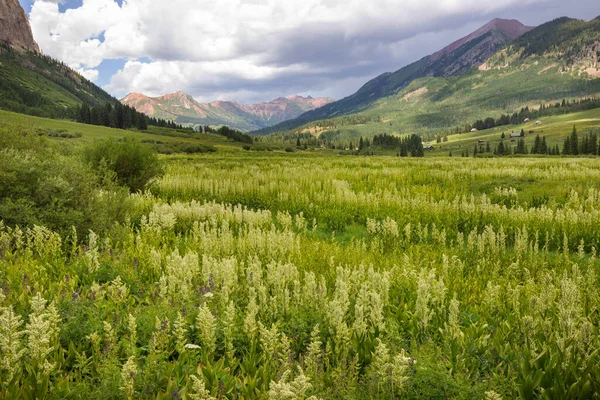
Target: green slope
(545, 65)
(35, 84)
(453, 60)
(75, 133)
(555, 129)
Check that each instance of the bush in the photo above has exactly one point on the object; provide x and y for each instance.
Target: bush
(41, 186)
(132, 164)
(289, 150)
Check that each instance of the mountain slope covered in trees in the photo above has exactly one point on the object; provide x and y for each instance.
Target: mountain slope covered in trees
(452, 60)
(558, 60)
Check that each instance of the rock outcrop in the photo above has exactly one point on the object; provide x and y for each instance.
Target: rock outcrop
(14, 26)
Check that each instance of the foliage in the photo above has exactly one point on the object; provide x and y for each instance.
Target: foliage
(39, 185)
(343, 278)
(134, 164)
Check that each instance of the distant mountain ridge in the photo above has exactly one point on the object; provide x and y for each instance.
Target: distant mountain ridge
(14, 26)
(453, 59)
(183, 109)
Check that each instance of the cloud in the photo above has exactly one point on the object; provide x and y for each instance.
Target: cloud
(89, 74)
(254, 47)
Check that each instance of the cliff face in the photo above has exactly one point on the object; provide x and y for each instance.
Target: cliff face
(14, 26)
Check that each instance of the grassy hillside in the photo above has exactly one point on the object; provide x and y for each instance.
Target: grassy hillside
(35, 84)
(537, 68)
(555, 129)
(80, 134)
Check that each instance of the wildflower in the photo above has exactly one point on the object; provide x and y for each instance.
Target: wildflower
(11, 349)
(491, 395)
(199, 391)
(207, 328)
(91, 255)
(314, 353)
(287, 389)
(180, 333)
(191, 346)
(117, 290)
(228, 321)
(132, 343)
(128, 374)
(42, 330)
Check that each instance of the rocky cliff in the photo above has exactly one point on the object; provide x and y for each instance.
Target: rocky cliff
(14, 26)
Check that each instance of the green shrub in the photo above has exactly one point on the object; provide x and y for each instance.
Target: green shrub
(133, 164)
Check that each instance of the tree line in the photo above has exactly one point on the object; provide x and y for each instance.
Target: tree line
(564, 107)
(230, 133)
(118, 116)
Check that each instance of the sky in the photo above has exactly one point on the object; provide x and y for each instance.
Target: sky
(257, 50)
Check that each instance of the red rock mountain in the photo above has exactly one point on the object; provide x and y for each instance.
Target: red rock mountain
(182, 108)
(14, 26)
(510, 28)
(452, 60)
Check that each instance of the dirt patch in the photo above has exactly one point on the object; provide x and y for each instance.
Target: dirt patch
(416, 93)
(593, 72)
(316, 130)
(484, 67)
(547, 68)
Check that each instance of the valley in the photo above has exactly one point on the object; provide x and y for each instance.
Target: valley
(434, 235)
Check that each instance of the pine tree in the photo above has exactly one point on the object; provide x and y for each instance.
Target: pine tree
(500, 150)
(537, 146)
(567, 147)
(574, 142)
(544, 146)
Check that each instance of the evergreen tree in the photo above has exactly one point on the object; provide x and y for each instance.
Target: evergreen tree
(537, 146)
(567, 147)
(501, 149)
(574, 142)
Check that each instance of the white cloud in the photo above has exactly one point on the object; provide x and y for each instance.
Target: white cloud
(209, 46)
(89, 74)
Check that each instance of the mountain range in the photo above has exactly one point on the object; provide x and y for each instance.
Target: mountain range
(452, 60)
(484, 77)
(183, 109)
(500, 68)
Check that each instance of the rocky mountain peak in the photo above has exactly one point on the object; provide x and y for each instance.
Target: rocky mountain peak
(511, 28)
(14, 26)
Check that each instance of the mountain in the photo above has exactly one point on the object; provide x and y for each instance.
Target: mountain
(452, 60)
(183, 109)
(14, 26)
(555, 61)
(32, 83)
